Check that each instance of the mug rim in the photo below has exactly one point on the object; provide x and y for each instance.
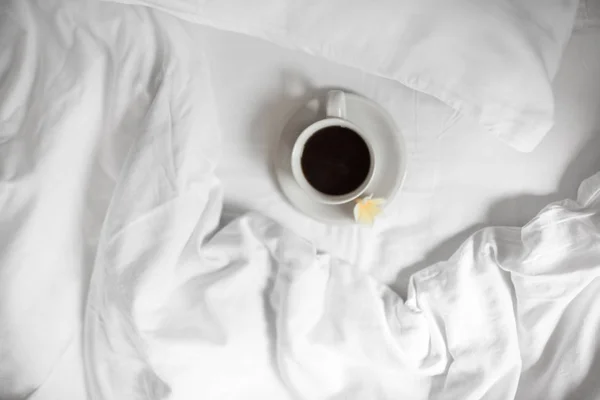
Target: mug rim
(298, 150)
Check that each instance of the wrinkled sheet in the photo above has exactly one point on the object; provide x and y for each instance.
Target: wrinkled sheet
(80, 84)
(108, 154)
(459, 179)
(255, 311)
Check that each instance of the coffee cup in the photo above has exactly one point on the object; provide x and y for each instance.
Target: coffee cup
(332, 159)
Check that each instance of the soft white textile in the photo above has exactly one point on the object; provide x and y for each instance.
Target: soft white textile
(100, 105)
(459, 179)
(256, 312)
(79, 83)
(476, 56)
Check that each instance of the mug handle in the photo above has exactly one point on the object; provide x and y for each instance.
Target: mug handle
(336, 104)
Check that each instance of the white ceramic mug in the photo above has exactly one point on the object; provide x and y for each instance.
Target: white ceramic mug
(336, 116)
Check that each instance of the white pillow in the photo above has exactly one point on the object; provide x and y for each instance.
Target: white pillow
(492, 60)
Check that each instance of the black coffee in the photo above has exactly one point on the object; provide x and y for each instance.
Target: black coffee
(336, 160)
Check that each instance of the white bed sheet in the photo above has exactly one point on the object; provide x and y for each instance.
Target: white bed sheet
(80, 81)
(459, 179)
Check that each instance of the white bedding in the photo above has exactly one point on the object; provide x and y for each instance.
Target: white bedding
(257, 312)
(458, 179)
(475, 56)
(80, 83)
(75, 100)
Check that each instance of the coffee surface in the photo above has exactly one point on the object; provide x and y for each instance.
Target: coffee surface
(336, 160)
